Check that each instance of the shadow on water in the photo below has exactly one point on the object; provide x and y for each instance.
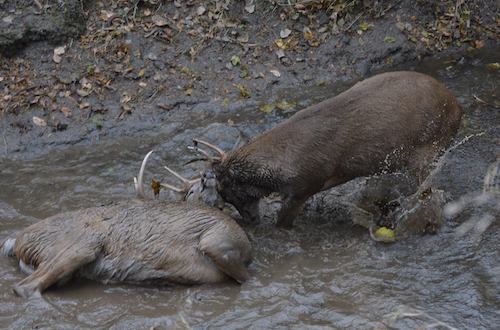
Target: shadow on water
(321, 274)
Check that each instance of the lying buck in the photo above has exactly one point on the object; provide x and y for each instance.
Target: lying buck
(137, 242)
(386, 123)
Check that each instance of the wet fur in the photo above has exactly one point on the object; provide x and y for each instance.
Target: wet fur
(136, 242)
(392, 121)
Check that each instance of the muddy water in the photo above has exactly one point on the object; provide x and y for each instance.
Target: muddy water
(326, 273)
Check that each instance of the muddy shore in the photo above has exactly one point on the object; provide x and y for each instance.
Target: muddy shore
(140, 66)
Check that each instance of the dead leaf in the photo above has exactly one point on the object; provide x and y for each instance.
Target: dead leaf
(285, 33)
(243, 90)
(243, 38)
(284, 105)
(280, 53)
(267, 108)
(250, 7)
(275, 72)
(201, 10)
(493, 66)
(478, 44)
(66, 111)
(156, 186)
(159, 20)
(57, 54)
(39, 121)
(389, 39)
(364, 26)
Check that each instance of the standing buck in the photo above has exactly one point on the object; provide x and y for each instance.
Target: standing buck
(137, 241)
(390, 122)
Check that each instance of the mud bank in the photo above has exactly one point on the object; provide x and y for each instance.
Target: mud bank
(139, 67)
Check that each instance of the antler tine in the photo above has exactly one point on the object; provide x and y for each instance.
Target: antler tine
(138, 181)
(221, 152)
(171, 187)
(180, 177)
(201, 151)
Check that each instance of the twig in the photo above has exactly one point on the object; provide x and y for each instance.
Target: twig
(354, 21)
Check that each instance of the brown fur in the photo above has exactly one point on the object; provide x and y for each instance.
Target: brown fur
(137, 241)
(389, 122)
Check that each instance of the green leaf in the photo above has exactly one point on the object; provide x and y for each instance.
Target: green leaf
(389, 39)
(364, 26)
(267, 108)
(243, 72)
(235, 60)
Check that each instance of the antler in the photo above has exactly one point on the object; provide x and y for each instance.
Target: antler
(139, 180)
(187, 183)
(222, 153)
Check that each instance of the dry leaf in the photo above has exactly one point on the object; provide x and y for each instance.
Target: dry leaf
(250, 8)
(275, 72)
(66, 111)
(159, 20)
(201, 10)
(39, 121)
(243, 38)
(243, 90)
(267, 108)
(285, 33)
(84, 105)
(57, 54)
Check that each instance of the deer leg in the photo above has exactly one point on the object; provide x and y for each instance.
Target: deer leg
(50, 272)
(290, 208)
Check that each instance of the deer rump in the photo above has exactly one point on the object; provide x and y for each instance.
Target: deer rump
(135, 242)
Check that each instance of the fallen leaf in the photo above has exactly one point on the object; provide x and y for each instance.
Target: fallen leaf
(57, 54)
(159, 20)
(285, 33)
(39, 121)
(364, 26)
(243, 38)
(66, 111)
(84, 105)
(8, 19)
(389, 39)
(235, 60)
(479, 44)
(201, 10)
(275, 72)
(267, 108)
(284, 105)
(243, 72)
(156, 186)
(83, 92)
(243, 90)
(493, 66)
(250, 8)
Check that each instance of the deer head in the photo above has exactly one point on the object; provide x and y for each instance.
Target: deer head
(202, 188)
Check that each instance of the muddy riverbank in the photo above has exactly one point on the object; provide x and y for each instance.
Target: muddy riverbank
(139, 67)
